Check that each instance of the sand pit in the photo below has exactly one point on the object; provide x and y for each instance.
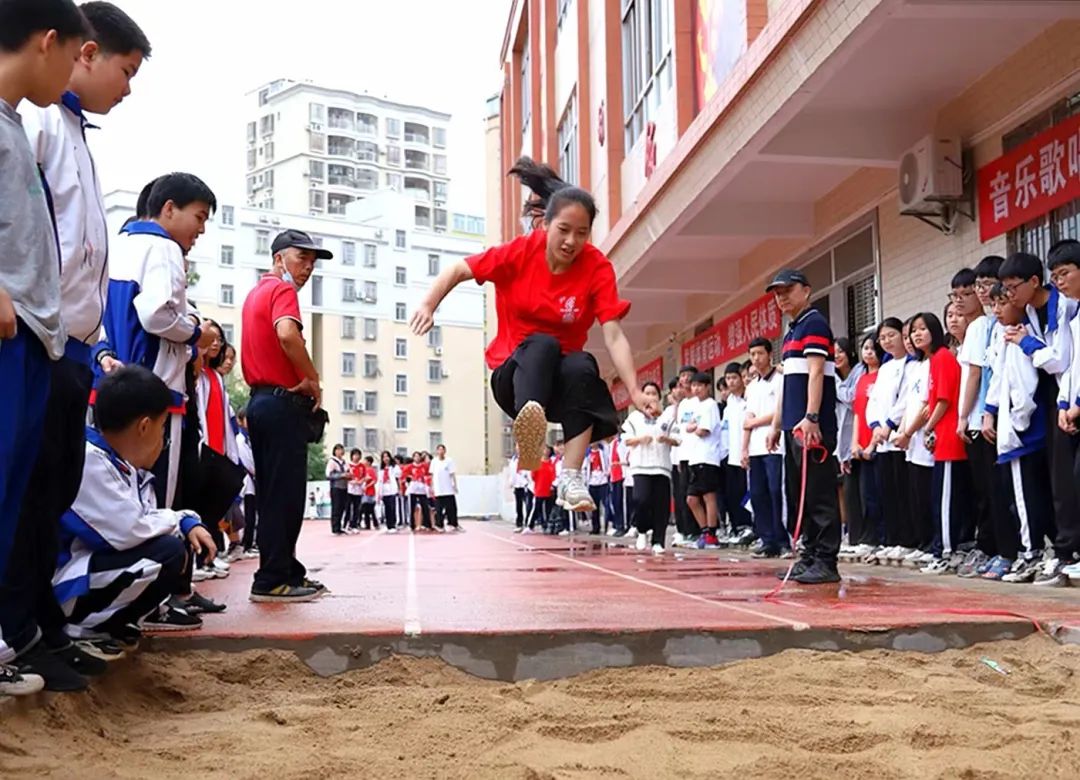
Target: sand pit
(802, 714)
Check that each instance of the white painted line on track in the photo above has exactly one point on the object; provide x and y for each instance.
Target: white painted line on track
(412, 600)
(794, 624)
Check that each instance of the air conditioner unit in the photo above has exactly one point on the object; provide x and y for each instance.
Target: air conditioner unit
(445, 374)
(275, 221)
(438, 351)
(264, 219)
(931, 172)
(316, 126)
(379, 233)
(368, 299)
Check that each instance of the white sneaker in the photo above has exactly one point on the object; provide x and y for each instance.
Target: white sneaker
(201, 574)
(575, 495)
(564, 533)
(937, 566)
(519, 530)
(641, 542)
(1072, 571)
(391, 530)
(527, 531)
(657, 550)
(15, 683)
(900, 554)
(251, 553)
(612, 531)
(678, 538)
(914, 555)
(221, 563)
(630, 534)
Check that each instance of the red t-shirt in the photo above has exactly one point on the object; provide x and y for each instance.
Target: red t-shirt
(530, 299)
(370, 474)
(862, 396)
(945, 386)
(261, 356)
(616, 464)
(543, 479)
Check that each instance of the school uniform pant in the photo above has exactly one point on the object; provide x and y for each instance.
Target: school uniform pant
(951, 507)
(251, 521)
(446, 511)
(736, 493)
(984, 492)
(599, 495)
(522, 506)
(767, 498)
(278, 427)
(1026, 488)
(420, 500)
(339, 498)
(367, 512)
(685, 523)
(894, 475)
(125, 585)
(569, 387)
(867, 526)
(917, 531)
(402, 510)
(167, 469)
(25, 375)
(1061, 453)
(820, 506)
(617, 504)
(652, 497)
(390, 511)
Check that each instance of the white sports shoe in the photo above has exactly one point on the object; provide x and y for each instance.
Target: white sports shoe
(657, 550)
(641, 542)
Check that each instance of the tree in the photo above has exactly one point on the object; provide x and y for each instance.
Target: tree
(316, 461)
(240, 394)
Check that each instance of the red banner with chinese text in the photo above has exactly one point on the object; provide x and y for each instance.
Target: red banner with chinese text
(1032, 179)
(650, 372)
(732, 335)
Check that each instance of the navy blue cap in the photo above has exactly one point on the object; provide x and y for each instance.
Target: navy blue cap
(787, 276)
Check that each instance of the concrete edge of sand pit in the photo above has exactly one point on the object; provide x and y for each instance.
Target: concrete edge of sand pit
(512, 657)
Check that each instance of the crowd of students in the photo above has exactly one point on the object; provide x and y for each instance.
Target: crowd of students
(956, 447)
(418, 494)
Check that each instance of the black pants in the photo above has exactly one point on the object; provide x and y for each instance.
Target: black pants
(1025, 488)
(918, 529)
(251, 521)
(351, 516)
(954, 525)
(278, 427)
(390, 510)
(1061, 451)
(446, 511)
(522, 506)
(367, 514)
(895, 489)
(420, 500)
(569, 387)
(685, 523)
(821, 508)
(867, 524)
(543, 512)
(736, 494)
(599, 495)
(52, 489)
(338, 499)
(989, 511)
(652, 499)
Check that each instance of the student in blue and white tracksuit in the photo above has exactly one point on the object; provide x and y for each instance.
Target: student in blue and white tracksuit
(148, 320)
(121, 556)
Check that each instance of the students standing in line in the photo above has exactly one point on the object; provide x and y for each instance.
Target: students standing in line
(650, 464)
(866, 532)
(766, 468)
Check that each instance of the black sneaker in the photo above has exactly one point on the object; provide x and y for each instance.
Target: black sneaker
(198, 604)
(765, 552)
(797, 570)
(166, 618)
(82, 662)
(107, 650)
(315, 585)
(283, 594)
(58, 676)
(127, 636)
(818, 573)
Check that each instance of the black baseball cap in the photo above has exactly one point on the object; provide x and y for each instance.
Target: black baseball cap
(787, 276)
(298, 239)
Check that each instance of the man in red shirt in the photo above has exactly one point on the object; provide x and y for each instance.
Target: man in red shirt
(284, 392)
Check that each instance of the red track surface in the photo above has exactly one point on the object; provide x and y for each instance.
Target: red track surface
(490, 581)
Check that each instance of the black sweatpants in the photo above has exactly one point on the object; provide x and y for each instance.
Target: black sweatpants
(52, 489)
(522, 506)
(990, 511)
(251, 521)
(367, 513)
(867, 525)
(446, 511)
(951, 507)
(685, 523)
(420, 500)
(390, 510)
(339, 498)
(895, 490)
(652, 499)
(1025, 484)
(918, 531)
(736, 492)
(569, 387)
(821, 510)
(351, 515)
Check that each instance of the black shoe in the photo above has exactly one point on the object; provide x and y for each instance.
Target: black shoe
(127, 636)
(166, 618)
(314, 585)
(819, 573)
(106, 650)
(801, 566)
(198, 604)
(57, 674)
(84, 663)
(283, 593)
(765, 552)
(619, 534)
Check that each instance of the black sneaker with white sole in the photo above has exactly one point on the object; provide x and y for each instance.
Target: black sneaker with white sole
(107, 650)
(198, 604)
(283, 594)
(166, 618)
(818, 573)
(82, 662)
(15, 683)
(57, 674)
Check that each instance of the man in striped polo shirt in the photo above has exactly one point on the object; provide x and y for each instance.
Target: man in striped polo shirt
(806, 413)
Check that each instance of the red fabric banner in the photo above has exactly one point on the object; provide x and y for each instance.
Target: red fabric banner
(650, 372)
(732, 335)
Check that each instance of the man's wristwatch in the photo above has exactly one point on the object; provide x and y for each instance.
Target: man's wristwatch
(812, 417)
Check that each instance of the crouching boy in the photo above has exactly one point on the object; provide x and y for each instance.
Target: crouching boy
(122, 557)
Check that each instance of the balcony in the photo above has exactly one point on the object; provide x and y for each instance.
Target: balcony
(417, 161)
(417, 134)
(368, 125)
(339, 146)
(341, 119)
(417, 189)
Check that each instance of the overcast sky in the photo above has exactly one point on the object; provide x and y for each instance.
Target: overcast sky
(186, 107)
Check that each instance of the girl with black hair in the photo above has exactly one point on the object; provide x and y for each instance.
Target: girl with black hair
(389, 490)
(848, 371)
(650, 465)
(866, 524)
(550, 286)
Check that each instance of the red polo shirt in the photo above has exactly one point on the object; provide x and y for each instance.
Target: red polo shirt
(530, 299)
(945, 386)
(261, 356)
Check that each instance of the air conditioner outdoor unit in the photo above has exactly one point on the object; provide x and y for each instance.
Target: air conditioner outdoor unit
(368, 299)
(316, 127)
(275, 221)
(445, 374)
(931, 173)
(438, 351)
(264, 219)
(379, 233)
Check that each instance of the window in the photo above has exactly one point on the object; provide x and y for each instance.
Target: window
(434, 405)
(371, 329)
(646, 35)
(393, 127)
(229, 332)
(526, 88)
(348, 364)
(226, 295)
(317, 142)
(423, 217)
(340, 146)
(371, 439)
(348, 438)
(401, 348)
(266, 124)
(316, 170)
(366, 180)
(250, 160)
(440, 164)
(366, 124)
(440, 219)
(371, 365)
(226, 255)
(348, 327)
(440, 190)
(251, 132)
(399, 276)
(434, 440)
(316, 200)
(400, 313)
(402, 451)
(434, 371)
(268, 178)
(371, 255)
(316, 291)
(371, 402)
(336, 204)
(438, 137)
(434, 336)
(432, 265)
(348, 253)
(228, 215)
(367, 151)
(394, 181)
(268, 151)
(262, 242)
(416, 161)
(317, 113)
(340, 175)
(341, 119)
(348, 290)
(401, 384)
(401, 420)
(371, 292)
(393, 155)
(568, 142)
(348, 400)
(416, 133)
(463, 223)
(399, 239)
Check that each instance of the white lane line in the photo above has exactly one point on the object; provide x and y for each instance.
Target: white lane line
(794, 624)
(412, 601)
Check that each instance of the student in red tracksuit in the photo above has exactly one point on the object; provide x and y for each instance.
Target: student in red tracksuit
(416, 475)
(543, 490)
